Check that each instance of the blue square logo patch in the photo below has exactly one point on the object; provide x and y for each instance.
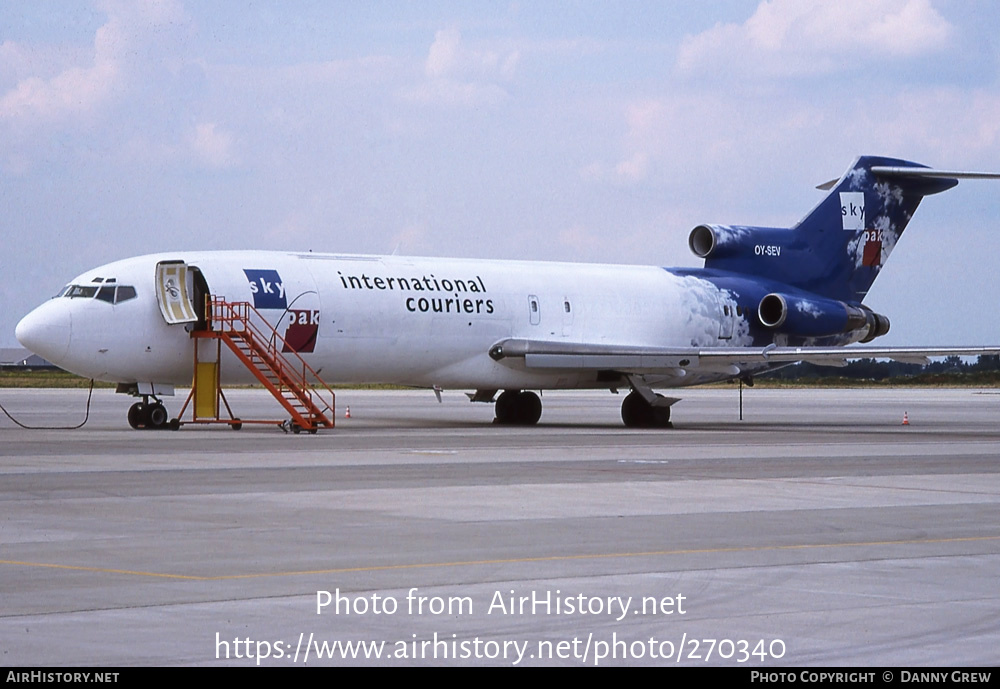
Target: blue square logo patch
(267, 289)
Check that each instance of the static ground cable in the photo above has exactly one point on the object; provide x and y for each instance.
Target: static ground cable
(86, 417)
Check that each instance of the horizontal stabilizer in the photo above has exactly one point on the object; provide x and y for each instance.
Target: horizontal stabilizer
(916, 173)
(913, 172)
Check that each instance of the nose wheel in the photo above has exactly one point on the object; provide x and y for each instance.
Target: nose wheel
(149, 415)
(137, 415)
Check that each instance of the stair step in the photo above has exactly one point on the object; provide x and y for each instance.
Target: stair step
(261, 351)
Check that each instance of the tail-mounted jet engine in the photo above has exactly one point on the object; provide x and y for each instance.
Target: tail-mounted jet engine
(802, 314)
(809, 316)
(723, 241)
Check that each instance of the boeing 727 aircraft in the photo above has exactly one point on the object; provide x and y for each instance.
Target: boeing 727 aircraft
(765, 298)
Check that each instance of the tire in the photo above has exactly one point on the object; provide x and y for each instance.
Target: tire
(661, 416)
(137, 415)
(529, 408)
(157, 417)
(506, 407)
(518, 408)
(638, 413)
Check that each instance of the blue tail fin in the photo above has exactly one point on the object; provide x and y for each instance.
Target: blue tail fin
(838, 249)
(856, 227)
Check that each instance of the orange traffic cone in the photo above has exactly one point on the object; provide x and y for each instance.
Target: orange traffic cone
(348, 414)
(906, 419)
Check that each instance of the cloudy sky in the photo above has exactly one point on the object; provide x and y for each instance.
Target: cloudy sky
(574, 131)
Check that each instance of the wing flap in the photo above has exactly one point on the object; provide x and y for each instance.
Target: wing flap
(676, 360)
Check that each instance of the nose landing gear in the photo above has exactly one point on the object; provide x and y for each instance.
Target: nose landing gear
(150, 416)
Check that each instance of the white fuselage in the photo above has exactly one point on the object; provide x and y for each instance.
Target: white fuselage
(411, 321)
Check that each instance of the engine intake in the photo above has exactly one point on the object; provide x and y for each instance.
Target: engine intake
(702, 241)
(773, 310)
(713, 242)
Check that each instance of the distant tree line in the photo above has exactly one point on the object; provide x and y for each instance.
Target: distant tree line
(871, 369)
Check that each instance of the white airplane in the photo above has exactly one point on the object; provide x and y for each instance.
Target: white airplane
(767, 297)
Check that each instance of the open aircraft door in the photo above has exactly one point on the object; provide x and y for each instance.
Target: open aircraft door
(180, 292)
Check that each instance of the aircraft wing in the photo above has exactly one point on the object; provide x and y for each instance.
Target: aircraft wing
(643, 360)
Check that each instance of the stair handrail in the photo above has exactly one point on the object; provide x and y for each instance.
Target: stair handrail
(240, 313)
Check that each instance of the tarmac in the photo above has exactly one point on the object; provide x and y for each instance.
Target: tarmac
(817, 531)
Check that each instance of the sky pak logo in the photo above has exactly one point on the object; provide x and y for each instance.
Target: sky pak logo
(267, 289)
(852, 209)
(301, 331)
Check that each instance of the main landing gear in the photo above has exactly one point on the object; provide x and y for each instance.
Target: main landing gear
(523, 408)
(638, 413)
(150, 415)
(518, 408)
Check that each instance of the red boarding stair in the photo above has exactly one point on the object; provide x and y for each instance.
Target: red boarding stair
(280, 369)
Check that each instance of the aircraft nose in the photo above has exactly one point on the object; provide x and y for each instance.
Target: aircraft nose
(46, 331)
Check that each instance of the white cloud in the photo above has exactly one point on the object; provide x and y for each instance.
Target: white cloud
(205, 144)
(460, 75)
(212, 145)
(76, 90)
(684, 143)
(454, 93)
(686, 130)
(450, 57)
(729, 117)
(801, 37)
(580, 240)
(443, 56)
(411, 238)
(952, 126)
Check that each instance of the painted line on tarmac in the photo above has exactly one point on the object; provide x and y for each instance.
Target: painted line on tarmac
(501, 561)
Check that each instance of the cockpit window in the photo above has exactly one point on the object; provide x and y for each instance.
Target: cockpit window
(108, 291)
(125, 292)
(80, 291)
